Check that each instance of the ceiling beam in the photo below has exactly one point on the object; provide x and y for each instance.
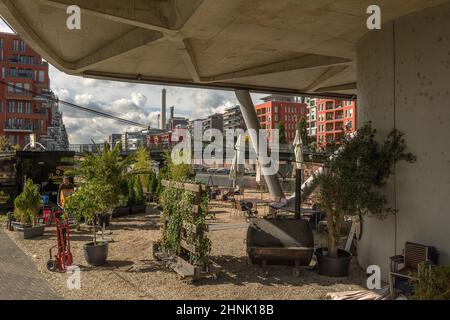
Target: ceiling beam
(307, 61)
(184, 48)
(164, 16)
(143, 79)
(133, 40)
(339, 87)
(325, 76)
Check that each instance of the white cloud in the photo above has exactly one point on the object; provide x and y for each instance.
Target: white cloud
(139, 99)
(136, 102)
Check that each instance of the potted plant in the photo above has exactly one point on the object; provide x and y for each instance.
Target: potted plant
(139, 201)
(26, 209)
(109, 168)
(90, 201)
(351, 186)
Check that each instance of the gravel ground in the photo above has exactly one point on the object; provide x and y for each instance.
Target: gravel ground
(132, 273)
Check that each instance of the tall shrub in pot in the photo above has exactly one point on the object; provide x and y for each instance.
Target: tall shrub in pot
(91, 200)
(26, 209)
(108, 167)
(351, 186)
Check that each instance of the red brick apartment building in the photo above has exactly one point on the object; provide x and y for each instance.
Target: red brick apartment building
(334, 117)
(21, 114)
(281, 109)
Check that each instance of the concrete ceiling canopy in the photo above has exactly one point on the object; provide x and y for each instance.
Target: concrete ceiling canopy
(286, 46)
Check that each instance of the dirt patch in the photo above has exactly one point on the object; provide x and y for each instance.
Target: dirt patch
(132, 273)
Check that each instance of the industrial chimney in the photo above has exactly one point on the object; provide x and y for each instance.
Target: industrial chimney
(163, 124)
(172, 111)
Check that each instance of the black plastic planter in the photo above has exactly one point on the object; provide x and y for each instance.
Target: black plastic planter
(30, 232)
(96, 255)
(138, 208)
(333, 267)
(121, 212)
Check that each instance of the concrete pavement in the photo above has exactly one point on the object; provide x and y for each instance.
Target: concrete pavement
(19, 278)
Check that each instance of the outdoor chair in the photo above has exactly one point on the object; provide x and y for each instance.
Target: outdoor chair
(402, 266)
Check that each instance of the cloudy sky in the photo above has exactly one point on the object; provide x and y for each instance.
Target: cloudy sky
(139, 103)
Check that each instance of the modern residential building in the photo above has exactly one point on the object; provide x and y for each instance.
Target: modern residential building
(311, 117)
(114, 139)
(21, 112)
(214, 121)
(281, 109)
(177, 123)
(233, 119)
(132, 141)
(190, 126)
(334, 117)
(56, 138)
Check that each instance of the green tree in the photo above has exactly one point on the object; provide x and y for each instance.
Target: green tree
(109, 168)
(143, 166)
(282, 132)
(91, 199)
(303, 127)
(353, 178)
(139, 192)
(131, 198)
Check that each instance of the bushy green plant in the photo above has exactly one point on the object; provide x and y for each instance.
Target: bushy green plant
(431, 283)
(143, 167)
(91, 199)
(139, 192)
(108, 167)
(131, 199)
(177, 209)
(353, 178)
(26, 205)
(153, 183)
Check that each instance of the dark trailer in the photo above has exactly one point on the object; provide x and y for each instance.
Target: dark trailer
(46, 169)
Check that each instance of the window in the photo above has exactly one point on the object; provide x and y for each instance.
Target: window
(27, 107)
(42, 125)
(19, 107)
(1, 43)
(1, 106)
(23, 46)
(31, 60)
(10, 87)
(16, 45)
(41, 76)
(19, 122)
(3, 72)
(26, 87)
(11, 108)
(276, 109)
(18, 88)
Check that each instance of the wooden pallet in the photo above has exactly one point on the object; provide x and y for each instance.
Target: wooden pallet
(185, 269)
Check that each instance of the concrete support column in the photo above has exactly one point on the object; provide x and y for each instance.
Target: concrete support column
(251, 120)
(404, 83)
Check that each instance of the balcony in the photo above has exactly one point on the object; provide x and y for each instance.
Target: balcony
(329, 117)
(17, 128)
(16, 59)
(19, 96)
